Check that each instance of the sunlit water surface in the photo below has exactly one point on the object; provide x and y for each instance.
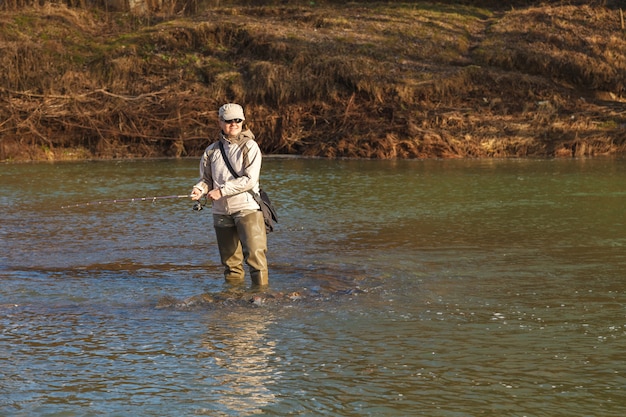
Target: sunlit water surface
(430, 288)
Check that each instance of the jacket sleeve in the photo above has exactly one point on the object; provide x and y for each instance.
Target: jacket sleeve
(206, 179)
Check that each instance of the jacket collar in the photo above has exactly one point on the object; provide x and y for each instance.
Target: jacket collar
(243, 137)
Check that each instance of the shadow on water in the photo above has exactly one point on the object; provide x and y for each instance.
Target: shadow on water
(306, 286)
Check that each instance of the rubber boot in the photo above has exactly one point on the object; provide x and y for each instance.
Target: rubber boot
(251, 229)
(231, 254)
(260, 278)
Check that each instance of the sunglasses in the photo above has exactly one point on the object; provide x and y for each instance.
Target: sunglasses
(232, 121)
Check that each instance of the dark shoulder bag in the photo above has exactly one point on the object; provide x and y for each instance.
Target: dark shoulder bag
(262, 199)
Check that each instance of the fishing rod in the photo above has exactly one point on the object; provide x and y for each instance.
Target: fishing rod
(198, 206)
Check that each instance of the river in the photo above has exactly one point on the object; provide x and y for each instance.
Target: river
(397, 288)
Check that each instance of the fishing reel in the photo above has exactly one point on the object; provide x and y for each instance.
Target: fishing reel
(199, 205)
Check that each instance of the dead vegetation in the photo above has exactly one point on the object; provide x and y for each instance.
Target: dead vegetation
(372, 80)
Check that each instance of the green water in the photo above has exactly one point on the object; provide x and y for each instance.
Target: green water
(430, 288)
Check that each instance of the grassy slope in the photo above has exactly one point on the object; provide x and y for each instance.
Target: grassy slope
(360, 80)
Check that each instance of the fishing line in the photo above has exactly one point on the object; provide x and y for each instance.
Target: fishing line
(127, 200)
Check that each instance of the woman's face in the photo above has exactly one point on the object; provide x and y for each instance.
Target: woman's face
(231, 128)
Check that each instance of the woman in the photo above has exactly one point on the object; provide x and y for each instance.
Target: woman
(237, 218)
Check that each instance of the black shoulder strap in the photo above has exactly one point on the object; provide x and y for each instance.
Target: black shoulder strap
(227, 161)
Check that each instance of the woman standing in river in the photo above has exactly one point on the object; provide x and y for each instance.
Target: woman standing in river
(237, 219)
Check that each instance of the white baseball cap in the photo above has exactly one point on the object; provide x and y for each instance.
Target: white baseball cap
(231, 111)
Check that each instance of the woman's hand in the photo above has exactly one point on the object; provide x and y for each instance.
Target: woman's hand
(196, 193)
(215, 194)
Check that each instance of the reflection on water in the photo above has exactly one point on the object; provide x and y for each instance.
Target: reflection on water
(240, 349)
(435, 288)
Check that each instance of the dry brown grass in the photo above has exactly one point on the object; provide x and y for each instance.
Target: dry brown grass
(373, 80)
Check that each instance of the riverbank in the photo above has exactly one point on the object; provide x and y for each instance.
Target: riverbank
(373, 80)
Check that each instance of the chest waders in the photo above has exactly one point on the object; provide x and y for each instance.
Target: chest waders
(241, 237)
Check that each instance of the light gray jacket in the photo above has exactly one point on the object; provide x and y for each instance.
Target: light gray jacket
(245, 158)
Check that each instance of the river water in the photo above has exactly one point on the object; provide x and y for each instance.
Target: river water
(398, 288)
